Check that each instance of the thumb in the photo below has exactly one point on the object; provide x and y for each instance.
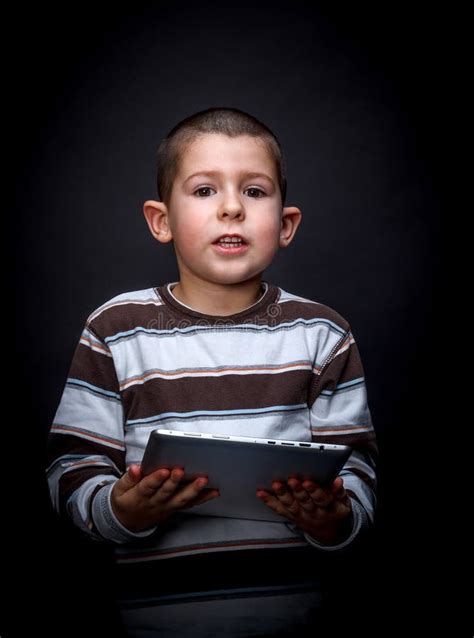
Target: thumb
(128, 480)
(337, 485)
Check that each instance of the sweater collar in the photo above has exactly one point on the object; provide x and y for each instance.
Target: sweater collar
(269, 296)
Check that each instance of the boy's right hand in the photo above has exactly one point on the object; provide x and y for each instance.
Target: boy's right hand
(140, 502)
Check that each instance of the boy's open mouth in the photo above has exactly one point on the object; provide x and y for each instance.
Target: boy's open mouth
(230, 244)
(230, 241)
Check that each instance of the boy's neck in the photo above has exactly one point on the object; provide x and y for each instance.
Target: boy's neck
(218, 299)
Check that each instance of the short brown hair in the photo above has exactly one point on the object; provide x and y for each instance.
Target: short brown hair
(224, 120)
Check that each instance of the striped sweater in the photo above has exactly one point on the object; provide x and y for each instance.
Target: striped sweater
(286, 367)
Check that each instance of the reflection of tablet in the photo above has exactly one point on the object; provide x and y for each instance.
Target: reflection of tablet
(239, 465)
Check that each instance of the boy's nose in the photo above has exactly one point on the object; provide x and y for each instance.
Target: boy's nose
(231, 211)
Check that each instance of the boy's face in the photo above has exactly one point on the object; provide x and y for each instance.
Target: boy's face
(225, 188)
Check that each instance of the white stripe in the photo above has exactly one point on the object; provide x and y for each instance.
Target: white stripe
(347, 408)
(91, 414)
(288, 296)
(220, 349)
(242, 330)
(211, 372)
(248, 412)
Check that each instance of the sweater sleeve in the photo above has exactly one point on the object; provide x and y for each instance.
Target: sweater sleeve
(339, 414)
(86, 443)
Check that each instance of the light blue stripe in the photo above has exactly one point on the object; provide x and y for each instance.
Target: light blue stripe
(349, 383)
(167, 415)
(89, 386)
(222, 327)
(344, 386)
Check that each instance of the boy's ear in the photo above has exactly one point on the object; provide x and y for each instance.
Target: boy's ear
(156, 215)
(290, 220)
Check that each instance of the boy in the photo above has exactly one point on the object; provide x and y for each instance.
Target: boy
(219, 351)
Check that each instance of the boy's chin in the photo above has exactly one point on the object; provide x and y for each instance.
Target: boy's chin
(228, 279)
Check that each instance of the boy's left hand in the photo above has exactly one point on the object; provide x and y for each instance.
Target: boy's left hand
(323, 513)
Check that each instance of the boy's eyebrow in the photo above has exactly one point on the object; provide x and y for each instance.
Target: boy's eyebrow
(217, 173)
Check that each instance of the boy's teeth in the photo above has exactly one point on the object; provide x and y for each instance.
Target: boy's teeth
(230, 240)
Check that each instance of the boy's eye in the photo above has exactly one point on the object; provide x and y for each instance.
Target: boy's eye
(259, 192)
(203, 188)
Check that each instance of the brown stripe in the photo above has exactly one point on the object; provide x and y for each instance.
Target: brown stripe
(291, 310)
(347, 366)
(94, 368)
(61, 444)
(362, 440)
(129, 316)
(229, 392)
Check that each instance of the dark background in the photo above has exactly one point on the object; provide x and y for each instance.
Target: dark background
(353, 95)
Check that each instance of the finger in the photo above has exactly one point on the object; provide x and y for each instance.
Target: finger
(322, 497)
(301, 495)
(203, 497)
(128, 480)
(337, 487)
(169, 487)
(188, 493)
(135, 472)
(151, 483)
(273, 503)
(339, 494)
(285, 496)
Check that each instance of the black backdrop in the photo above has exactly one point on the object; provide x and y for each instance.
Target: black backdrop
(352, 96)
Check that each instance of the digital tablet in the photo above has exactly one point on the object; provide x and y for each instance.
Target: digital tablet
(238, 466)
